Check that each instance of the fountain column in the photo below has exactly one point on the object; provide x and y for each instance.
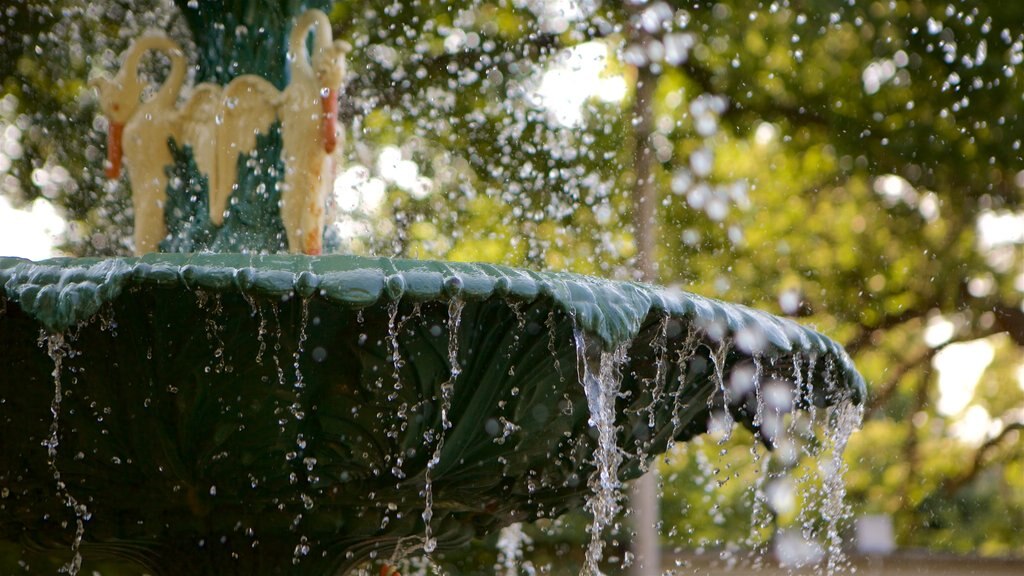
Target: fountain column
(239, 37)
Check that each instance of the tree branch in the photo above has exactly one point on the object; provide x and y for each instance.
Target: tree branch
(705, 79)
(951, 487)
(885, 392)
(1010, 319)
(910, 453)
(863, 338)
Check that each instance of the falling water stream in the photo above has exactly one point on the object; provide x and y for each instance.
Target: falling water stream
(818, 485)
(58, 350)
(447, 390)
(600, 377)
(298, 412)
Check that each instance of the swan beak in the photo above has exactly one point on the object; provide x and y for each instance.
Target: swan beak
(329, 122)
(114, 151)
(313, 245)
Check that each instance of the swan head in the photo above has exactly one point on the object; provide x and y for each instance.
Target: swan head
(118, 96)
(329, 69)
(119, 99)
(329, 64)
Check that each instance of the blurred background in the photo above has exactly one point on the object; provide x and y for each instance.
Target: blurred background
(853, 164)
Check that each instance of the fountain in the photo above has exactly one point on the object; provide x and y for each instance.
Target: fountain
(222, 407)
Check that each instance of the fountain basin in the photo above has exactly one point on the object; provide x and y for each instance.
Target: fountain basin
(230, 413)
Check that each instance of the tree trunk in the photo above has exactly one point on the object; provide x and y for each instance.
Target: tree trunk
(644, 498)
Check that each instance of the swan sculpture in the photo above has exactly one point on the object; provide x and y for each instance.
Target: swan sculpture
(199, 129)
(248, 107)
(309, 129)
(220, 124)
(139, 131)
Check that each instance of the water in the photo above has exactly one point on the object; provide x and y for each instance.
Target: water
(58, 350)
(660, 346)
(758, 391)
(298, 413)
(296, 408)
(276, 355)
(843, 420)
(517, 311)
(761, 511)
(447, 390)
(212, 307)
(600, 378)
(723, 420)
(683, 355)
(552, 328)
(394, 328)
(261, 331)
(794, 490)
(511, 541)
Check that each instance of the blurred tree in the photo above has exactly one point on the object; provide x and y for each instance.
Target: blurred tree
(881, 141)
(856, 164)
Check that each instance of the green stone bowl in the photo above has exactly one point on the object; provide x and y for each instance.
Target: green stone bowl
(224, 413)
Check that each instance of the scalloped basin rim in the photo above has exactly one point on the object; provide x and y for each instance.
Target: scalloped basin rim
(61, 292)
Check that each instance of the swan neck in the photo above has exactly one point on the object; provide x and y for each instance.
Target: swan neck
(322, 38)
(168, 92)
(175, 78)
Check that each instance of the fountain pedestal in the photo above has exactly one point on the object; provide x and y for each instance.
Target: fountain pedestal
(210, 402)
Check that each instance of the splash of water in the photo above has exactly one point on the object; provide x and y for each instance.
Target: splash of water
(761, 511)
(394, 327)
(511, 541)
(844, 419)
(447, 391)
(758, 391)
(58, 349)
(724, 421)
(278, 368)
(660, 346)
(517, 311)
(300, 348)
(297, 410)
(684, 353)
(213, 306)
(795, 491)
(552, 326)
(261, 331)
(601, 379)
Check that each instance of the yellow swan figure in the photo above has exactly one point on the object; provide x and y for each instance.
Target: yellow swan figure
(309, 129)
(220, 124)
(139, 132)
(248, 107)
(199, 128)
